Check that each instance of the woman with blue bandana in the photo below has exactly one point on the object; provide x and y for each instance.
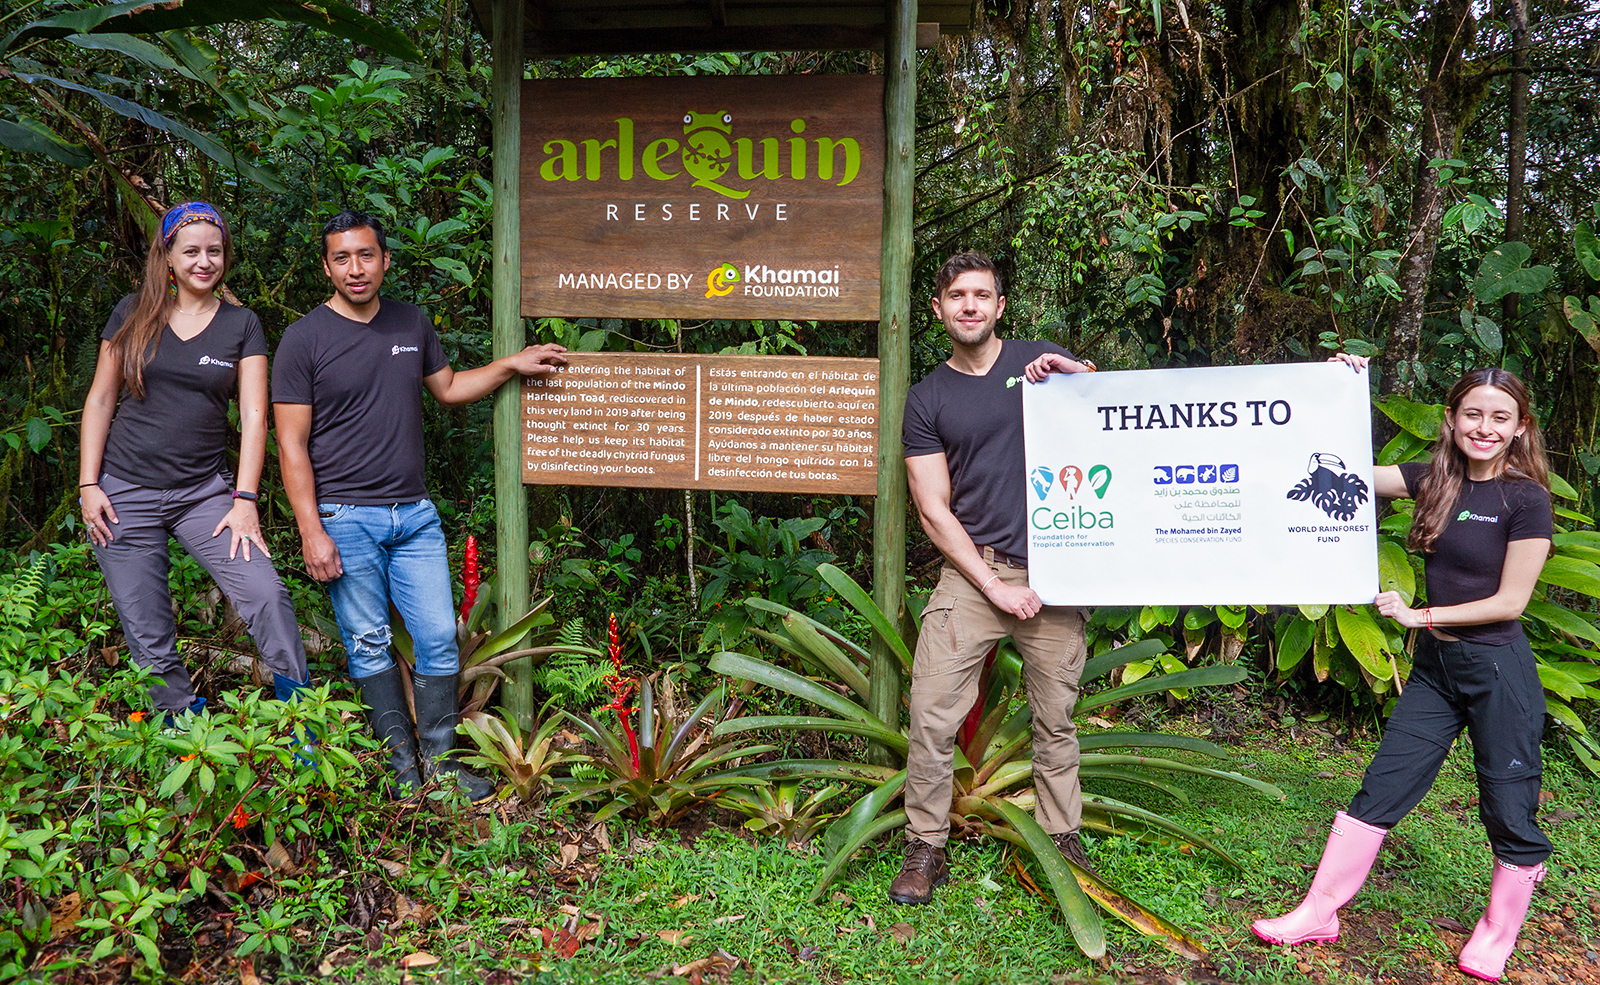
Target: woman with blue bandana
(154, 462)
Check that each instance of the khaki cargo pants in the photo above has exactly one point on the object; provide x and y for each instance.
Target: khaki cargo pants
(959, 626)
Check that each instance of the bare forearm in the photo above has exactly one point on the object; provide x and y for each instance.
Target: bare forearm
(1498, 607)
(252, 452)
(470, 385)
(300, 485)
(955, 544)
(96, 424)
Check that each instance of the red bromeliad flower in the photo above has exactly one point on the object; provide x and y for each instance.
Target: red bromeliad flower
(469, 576)
(621, 687)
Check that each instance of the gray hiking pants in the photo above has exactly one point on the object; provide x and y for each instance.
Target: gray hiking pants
(135, 566)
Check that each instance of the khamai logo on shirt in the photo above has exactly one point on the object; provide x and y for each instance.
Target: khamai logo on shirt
(208, 361)
(1469, 515)
(402, 348)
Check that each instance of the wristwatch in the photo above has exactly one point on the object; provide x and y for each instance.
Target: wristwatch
(241, 494)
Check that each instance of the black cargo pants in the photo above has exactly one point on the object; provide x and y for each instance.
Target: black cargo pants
(1494, 691)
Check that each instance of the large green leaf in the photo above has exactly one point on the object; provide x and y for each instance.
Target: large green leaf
(1294, 643)
(1199, 677)
(1502, 272)
(124, 44)
(1395, 573)
(206, 145)
(1587, 248)
(1365, 639)
(1422, 420)
(747, 668)
(803, 723)
(843, 668)
(1572, 574)
(1081, 919)
(1092, 741)
(862, 602)
(29, 140)
(1561, 618)
(1099, 666)
(1173, 766)
(841, 857)
(861, 814)
(143, 17)
(1586, 322)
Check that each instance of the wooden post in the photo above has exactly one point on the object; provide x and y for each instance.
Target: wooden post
(511, 499)
(894, 350)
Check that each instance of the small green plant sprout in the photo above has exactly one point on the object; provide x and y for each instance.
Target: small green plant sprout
(526, 763)
(270, 933)
(669, 764)
(777, 809)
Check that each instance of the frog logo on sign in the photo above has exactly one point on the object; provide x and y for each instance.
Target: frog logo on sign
(706, 151)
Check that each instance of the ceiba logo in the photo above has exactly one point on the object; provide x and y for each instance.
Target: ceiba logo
(1071, 481)
(720, 281)
(707, 152)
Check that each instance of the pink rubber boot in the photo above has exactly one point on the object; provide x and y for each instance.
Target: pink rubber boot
(1352, 846)
(1496, 933)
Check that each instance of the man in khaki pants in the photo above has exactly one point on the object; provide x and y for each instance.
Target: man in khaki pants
(964, 459)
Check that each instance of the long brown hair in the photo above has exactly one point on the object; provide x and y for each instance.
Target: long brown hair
(136, 341)
(1441, 484)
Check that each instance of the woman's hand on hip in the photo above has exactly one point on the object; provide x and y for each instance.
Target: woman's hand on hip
(98, 513)
(245, 523)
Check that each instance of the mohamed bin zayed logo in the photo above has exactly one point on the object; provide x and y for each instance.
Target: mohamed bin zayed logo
(1330, 488)
(721, 280)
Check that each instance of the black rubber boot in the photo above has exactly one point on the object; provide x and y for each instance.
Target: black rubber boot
(435, 698)
(391, 722)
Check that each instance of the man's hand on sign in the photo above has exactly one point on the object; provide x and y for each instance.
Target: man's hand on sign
(1055, 362)
(538, 360)
(322, 556)
(1019, 600)
(1355, 362)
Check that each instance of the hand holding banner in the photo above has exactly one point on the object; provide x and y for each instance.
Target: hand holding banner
(1221, 486)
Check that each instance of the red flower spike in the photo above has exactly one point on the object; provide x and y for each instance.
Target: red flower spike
(469, 576)
(621, 687)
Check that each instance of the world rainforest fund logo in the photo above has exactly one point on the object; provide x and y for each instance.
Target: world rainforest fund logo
(1330, 488)
(707, 153)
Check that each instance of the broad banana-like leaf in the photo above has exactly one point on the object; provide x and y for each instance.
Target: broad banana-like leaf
(1294, 643)
(143, 17)
(1084, 923)
(138, 49)
(1572, 574)
(30, 141)
(1395, 573)
(206, 145)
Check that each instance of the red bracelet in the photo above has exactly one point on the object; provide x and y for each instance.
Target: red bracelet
(1427, 616)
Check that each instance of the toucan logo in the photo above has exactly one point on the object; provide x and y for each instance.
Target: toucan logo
(1330, 488)
(721, 280)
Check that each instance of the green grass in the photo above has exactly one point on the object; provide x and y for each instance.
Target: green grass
(985, 927)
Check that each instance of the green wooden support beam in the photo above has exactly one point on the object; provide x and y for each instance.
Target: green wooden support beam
(511, 500)
(894, 350)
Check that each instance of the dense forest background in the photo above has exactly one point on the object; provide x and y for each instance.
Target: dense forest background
(1166, 183)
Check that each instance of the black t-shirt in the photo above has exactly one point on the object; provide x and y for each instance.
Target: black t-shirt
(364, 385)
(1468, 556)
(178, 434)
(977, 422)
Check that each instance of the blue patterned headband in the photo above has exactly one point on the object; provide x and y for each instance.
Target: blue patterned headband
(181, 215)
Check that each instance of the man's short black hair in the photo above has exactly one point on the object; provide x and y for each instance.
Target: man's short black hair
(963, 263)
(351, 219)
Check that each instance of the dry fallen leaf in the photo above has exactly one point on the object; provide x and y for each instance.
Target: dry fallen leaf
(396, 870)
(418, 959)
(674, 937)
(731, 918)
(247, 972)
(902, 931)
(64, 915)
(569, 854)
(279, 859)
(1101, 722)
(682, 901)
(405, 911)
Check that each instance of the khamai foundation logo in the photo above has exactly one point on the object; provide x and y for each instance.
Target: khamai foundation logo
(1330, 488)
(1469, 515)
(208, 361)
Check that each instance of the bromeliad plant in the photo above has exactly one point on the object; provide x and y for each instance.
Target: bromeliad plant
(528, 763)
(993, 794)
(665, 766)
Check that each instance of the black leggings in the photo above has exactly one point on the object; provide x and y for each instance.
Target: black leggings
(1494, 691)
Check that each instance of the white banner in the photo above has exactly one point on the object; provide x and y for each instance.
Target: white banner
(1226, 486)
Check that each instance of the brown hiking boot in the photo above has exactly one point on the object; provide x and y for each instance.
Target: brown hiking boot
(921, 873)
(1072, 848)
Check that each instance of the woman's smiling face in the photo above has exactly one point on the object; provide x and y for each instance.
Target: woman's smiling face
(1484, 423)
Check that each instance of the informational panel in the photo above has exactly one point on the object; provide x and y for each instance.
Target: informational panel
(1233, 485)
(753, 423)
(700, 197)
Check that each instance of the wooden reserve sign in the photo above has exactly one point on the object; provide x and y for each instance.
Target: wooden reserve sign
(752, 423)
(738, 197)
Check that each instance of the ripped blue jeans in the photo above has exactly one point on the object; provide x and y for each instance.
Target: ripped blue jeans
(392, 554)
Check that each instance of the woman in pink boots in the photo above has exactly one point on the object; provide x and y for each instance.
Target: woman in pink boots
(1482, 520)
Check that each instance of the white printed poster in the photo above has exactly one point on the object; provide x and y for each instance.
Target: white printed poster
(1225, 486)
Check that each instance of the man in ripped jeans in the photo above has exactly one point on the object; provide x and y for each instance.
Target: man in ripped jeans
(964, 461)
(347, 387)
